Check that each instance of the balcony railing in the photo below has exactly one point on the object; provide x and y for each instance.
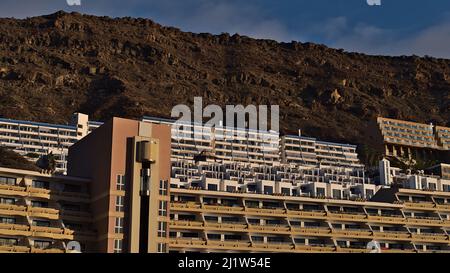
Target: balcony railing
(7, 209)
(52, 232)
(38, 192)
(13, 190)
(15, 230)
(14, 248)
(49, 213)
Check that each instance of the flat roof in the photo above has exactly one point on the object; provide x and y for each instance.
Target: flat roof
(19, 122)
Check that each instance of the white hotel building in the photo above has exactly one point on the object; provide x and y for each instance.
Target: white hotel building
(34, 139)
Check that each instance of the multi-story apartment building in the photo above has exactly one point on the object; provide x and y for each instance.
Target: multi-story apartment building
(414, 140)
(40, 213)
(308, 151)
(126, 192)
(34, 139)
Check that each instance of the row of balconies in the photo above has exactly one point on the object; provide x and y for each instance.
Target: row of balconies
(28, 191)
(36, 231)
(307, 231)
(399, 220)
(269, 247)
(48, 213)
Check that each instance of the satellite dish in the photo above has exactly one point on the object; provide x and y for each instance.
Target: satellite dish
(374, 247)
(73, 247)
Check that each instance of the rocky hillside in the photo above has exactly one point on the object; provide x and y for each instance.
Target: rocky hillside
(52, 66)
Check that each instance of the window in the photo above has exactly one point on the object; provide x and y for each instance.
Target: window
(216, 237)
(162, 248)
(8, 242)
(268, 190)
(320, 191)
(40, 223)
(162, 208)
(212, 187)
(162, 229)
(8, 201)
(119, 225)
(163, 185)
(231, 188)
(119, 204)
(7, 180)
(337, 194)
(446, 188)
(42, 244)
(286, 191)
(39, 204)
(120, 184)
(7, 220)
(40, 184)
(369, 194)
(118, 244)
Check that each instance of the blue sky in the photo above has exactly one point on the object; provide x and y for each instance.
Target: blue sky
(397, 27)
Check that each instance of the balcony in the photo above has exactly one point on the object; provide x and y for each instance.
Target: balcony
(7, 209)
(392, 235)
(38, 192)
(347, 216)
(386, 219)
(427, 221)
(443, 207)
(14, 249)
(226, 226)
(427, 237)
(180, 242)
(314, 249)
(313, 231)
(229, 244)
(420, 206)
(50, 250)
(189, 206)
(12, 190)
(14, 230)
(352, 250)
(270, 228)
(266, 211)
(273, 246)
(223, 208)
(52, 232)
(307, 214)
(366, 234)
(48, 213)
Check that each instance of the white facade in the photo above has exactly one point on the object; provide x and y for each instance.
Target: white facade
(34, 139)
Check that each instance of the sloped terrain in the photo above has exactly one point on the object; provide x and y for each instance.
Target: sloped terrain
(52, 66)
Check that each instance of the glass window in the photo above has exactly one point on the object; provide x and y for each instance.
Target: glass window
(320, 191)
(120, 183)
(7, 180)
(162, 208)
(163, 185)
(212, 187)
(119, 225)
(162, 248)
(40, 184)
(162, 229)
(268, 190)
(118, 244)
(39, 204)
(120, 203)
(42, 244)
